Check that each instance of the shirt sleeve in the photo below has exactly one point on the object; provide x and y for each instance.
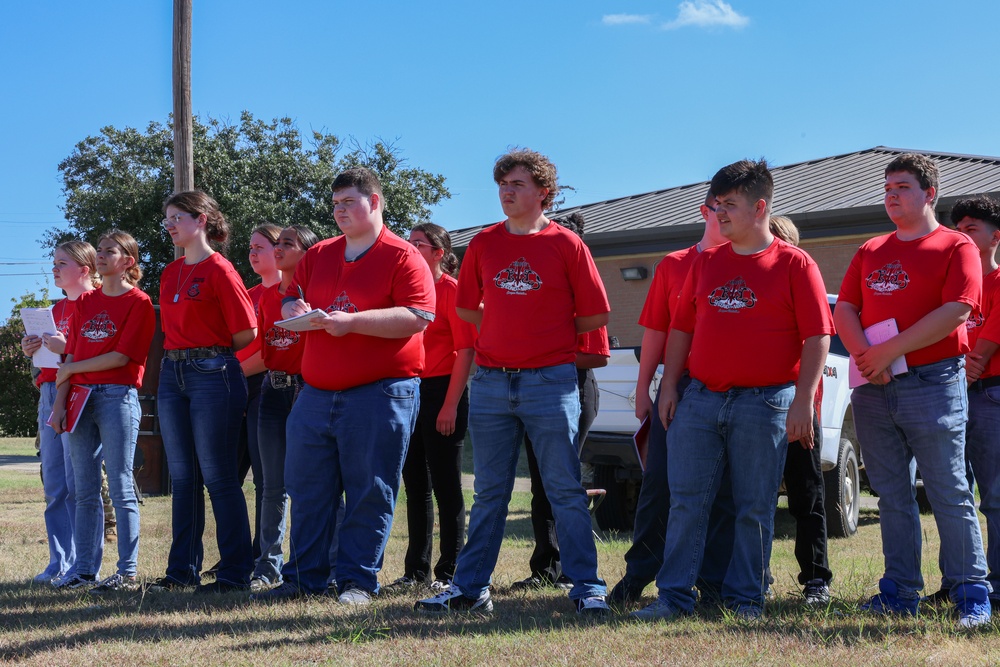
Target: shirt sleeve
(850, 286)
(470, 287)
(138, 329)
(963, 281)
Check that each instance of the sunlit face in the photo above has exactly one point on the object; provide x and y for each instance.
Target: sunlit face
(112, 260)
(904, 199)
(520, 196)
(66, 272)
(983, 234)
(288, 251)
(184, 227)
(737, 215)
(261, 255)
(431, 254)
(353, 211)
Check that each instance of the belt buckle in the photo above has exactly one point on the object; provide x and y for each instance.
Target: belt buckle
(510, 371)
(280, 380)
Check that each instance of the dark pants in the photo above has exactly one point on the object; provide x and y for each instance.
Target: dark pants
(249, 454)
(544, 561)
(806, 493)
(434, 464)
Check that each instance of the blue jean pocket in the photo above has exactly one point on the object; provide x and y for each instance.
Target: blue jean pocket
(778, 398)
(399, 388)
(992, 393)
(211, 365)
(560, 373)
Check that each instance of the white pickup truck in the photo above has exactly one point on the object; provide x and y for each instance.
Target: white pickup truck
(610, 449)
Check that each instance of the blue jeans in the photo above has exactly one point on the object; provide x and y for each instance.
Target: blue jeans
(982, 447)
(107, 430)
(645, 557)
(60, 489)
(742, 429)
(201, 403)
(353, 442)
(918, 419)
(545, 402)
(275, 406)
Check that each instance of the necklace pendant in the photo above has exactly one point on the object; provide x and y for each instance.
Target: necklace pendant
(176, 297)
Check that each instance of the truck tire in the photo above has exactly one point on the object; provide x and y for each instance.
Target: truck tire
(617, 512)
(843, 489)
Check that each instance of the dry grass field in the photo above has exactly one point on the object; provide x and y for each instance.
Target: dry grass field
(42, 626)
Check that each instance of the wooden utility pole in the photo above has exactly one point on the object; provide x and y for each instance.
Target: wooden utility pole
(183, 125)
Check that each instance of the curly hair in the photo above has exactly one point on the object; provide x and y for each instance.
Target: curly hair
(542, 171)
(983, 208)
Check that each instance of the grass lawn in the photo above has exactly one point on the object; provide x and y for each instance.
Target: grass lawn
(41, 626)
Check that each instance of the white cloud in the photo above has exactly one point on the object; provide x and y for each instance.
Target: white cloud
(707, 14)
(624, 19)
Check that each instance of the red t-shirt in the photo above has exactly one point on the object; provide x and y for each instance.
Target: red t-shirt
(749, 315)
(594, 342)
(282, 349)
(254, 293)
(668, 280)
(984, 322)
(906, 280)
(389, 274)
(448, 333)
(212, 304)
(102, 324)
(532, 287)
(62, 310)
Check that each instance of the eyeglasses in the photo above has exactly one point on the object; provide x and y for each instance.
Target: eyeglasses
(417, 243)
(172, 220)
(711, 208)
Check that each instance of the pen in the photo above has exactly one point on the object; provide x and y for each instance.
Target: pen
(302, 295)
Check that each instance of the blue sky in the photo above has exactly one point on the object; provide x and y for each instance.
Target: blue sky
(626, 97)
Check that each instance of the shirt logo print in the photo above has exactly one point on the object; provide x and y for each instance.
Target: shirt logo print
(280, 338)
(733, 296)
(975, 320)
(888, 279)
(518, 278)
(63, 326)
(343, 304)
(100, 328)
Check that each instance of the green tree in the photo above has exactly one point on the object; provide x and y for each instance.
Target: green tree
(18, 396)
(257, 171)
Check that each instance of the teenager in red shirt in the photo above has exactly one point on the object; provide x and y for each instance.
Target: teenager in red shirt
(532, 287)
(927, 278)
(206, 314)
(281, 353)
(350, 426)
(111, 330)
(742, 408)
(74, 271)
(434, 458)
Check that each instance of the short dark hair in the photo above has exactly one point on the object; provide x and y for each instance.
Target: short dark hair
(923, 168)
(747, 177)
(365, 180)
(709, 198)
(542, 171)
(982, 207)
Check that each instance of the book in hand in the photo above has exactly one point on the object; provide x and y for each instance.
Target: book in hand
(875, 334)
(37, 322)
(301, 322)
(75, 402)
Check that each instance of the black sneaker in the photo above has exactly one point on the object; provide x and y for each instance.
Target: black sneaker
(220, 587)
(939, 598)
(404, 583)
(116, 583)
(76, 582)
(816, 593)
(286, 591)
(537, 582)
(212, 571)
(453, 600)
(167, 585)
(623, 593)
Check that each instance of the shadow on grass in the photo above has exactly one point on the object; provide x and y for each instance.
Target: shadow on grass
(784, 522)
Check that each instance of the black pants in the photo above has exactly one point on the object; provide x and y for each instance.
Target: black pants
(249, 455)
(806, 494)
(544, 561)
(434, 464)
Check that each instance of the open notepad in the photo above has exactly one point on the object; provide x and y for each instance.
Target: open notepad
(875, 334)
(300, 322)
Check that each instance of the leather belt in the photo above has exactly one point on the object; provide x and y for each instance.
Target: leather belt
(981, 385)
(197, 353)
